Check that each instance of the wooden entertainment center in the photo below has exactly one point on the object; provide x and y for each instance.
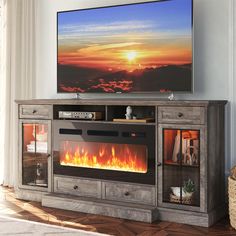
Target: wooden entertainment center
(175, 170)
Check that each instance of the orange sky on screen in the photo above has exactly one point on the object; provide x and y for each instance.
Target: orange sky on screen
(116, 56)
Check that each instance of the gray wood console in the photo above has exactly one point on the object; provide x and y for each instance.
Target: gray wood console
(174, 172)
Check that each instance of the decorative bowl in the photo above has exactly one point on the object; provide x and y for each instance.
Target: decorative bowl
(176, 192)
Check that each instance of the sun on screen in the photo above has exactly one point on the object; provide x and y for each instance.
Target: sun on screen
(131, 56)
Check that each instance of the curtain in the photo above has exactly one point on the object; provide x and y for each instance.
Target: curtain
(2, 63)
(17, 77)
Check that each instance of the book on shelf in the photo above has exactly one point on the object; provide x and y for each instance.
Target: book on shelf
(185, 148)
(176, 149)
(37, 147)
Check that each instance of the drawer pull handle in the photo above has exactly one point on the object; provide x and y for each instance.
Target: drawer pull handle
(75, 187)
(127, 194)
(180, 114)
(34, 111)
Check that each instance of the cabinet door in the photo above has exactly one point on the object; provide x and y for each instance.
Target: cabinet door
(35, 154)
(182, 174)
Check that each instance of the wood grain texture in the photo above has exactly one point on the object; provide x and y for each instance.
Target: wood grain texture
(192, 217)
(181, 115)
(77, 186)
(29, 195)
(205, 116)
(117, 209)
(35, 111)
(124, 102)
(216, 157)
(129, 193)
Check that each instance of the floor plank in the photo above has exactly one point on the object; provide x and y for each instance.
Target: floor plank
(33, 211)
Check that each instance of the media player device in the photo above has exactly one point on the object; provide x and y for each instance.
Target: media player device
(80, 115)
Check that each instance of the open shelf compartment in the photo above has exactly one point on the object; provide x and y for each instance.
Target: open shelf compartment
(143, 114)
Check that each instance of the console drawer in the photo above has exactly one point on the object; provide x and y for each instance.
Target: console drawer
(182, 115)
(36, 111)
(78, 187)
(129, 193)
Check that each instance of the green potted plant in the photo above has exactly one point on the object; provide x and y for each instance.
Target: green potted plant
(188, 188)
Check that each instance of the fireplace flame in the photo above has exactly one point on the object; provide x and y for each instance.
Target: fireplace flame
(119, 157)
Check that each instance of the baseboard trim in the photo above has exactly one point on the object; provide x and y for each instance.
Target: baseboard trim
(131, 211)
(192, 218)
(128, 211)
(29, 195)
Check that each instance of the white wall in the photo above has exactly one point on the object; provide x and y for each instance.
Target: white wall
(213, 61)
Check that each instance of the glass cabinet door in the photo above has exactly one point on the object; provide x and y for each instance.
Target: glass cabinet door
(181, 166)
(35, 154)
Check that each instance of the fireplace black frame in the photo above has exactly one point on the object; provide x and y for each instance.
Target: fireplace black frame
(67, 130)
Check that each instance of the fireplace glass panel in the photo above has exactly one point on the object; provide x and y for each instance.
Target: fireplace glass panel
(109, 156)
(35, 154)
(181, 169)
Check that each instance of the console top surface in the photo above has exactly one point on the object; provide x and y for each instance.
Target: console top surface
(138, 102)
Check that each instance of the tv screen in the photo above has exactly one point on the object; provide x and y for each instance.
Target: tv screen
(143, 47)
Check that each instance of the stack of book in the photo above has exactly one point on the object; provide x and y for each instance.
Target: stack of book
(41, 147)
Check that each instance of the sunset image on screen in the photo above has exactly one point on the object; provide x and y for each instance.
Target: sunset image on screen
(129, 48)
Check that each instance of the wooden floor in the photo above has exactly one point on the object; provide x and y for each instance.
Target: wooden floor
(33, 211)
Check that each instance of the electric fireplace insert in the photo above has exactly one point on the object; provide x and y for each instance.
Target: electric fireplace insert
(105, 151)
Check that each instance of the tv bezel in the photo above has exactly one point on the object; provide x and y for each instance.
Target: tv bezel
(135, 92)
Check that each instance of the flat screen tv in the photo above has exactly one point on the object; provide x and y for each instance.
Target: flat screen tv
(134, 48)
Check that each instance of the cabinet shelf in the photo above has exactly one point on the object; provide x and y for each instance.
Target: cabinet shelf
(35, 153)
(37, 185)
(114, 122)
(171, 163)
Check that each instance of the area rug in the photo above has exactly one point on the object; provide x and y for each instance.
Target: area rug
(11, 227)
